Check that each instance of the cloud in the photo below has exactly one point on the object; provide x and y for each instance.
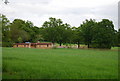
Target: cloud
(73, 12)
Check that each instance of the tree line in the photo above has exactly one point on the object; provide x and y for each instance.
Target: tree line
(91, 33)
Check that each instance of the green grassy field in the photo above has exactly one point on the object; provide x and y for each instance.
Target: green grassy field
(28, 63)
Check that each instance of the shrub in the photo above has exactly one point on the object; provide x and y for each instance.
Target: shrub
(54, 47)
(7, 44)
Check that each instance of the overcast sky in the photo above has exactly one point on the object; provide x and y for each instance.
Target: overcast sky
(73, 12)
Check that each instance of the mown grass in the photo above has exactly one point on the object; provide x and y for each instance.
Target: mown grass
(115, 48)
(0, 63)
(28, 63)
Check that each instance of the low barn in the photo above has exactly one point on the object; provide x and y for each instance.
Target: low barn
(33, 45)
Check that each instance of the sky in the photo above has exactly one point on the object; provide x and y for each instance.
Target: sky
(119, 15)
(73, 12)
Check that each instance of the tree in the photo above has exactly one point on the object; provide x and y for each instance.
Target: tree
(50, 29)
(118, 37)
(115, 40)
(49, 32)
(104, 34)
(77, 36)
(6, 40)
(17, 30)
(56, 31)
(87, 31)
(37, 36)
(64, 34)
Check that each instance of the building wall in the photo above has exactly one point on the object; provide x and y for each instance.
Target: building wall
(14, 46)
(33, 46)
(43, 46)
(21, 46)
(27, 46)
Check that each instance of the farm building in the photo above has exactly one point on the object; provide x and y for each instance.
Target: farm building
(33, 45)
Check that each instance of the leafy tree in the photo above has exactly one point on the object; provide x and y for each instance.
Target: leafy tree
(37, 36)
(49, 32)
(56, 31)
(115, 40)
(64, 34)
(29, 28)
(104, 34)
(118, 34)
(77, 36)
(87, 31)
(50, 29)
(25, 30)
(6, 40)
(20, 39)
(17, 32)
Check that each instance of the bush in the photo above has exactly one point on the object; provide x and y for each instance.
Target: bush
(7, 44)
(54, 47)
(102, 46)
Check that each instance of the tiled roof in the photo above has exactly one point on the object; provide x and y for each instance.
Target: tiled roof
(44, 43)
(33, 43)
(21, 44)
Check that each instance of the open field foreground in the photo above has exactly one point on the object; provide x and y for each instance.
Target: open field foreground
(28, 63)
